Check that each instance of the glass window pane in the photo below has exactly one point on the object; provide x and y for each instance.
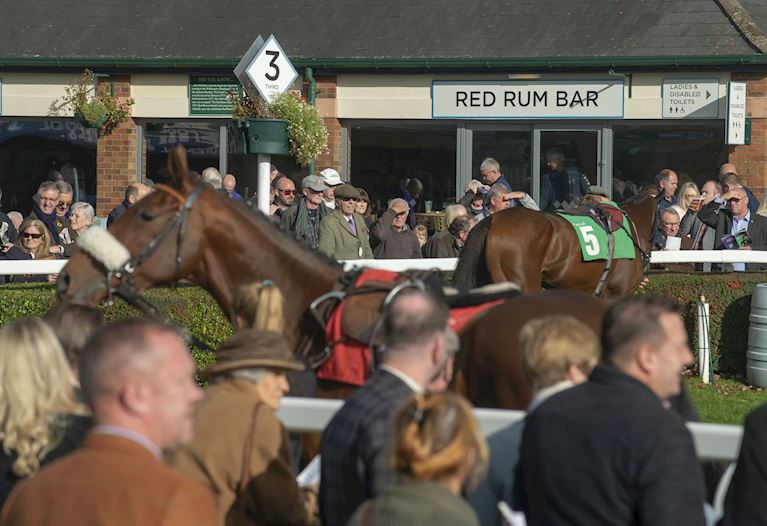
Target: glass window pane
(568, 167)
(200, 139)
(511, 149)
(383, 156)
(35, 150)
(642, 150)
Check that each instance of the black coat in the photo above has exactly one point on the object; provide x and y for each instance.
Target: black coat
(607, 452)
(354, 448)
(719, 218)
(746, 501)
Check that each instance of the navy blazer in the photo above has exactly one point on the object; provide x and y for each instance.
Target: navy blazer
(746, 502)
(608, 452)
(354, 449)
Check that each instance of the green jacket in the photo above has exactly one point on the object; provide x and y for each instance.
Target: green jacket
(415, 502)
(337, 240)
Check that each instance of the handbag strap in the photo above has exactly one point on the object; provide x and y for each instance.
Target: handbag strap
(246, 451)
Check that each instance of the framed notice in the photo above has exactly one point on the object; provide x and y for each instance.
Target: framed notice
(736, 113)
(1, 96)
(207, 94)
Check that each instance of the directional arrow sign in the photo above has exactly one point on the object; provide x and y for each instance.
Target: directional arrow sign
(690, 98)
(736, 112)
(266, 67)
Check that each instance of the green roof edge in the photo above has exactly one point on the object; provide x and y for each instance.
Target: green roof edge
(399, 63)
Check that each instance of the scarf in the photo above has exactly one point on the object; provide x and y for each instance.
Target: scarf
(49, 220)
(301, 223)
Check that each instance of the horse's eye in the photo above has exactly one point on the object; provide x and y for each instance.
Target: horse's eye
(147, 215)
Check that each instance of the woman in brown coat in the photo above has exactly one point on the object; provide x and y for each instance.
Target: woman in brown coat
(240, 447)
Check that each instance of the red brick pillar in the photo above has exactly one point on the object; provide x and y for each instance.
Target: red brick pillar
(751, 159)
(328, 108)
(115, 156)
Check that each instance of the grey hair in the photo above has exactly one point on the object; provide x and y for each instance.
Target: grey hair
(85, 208)
(453, 211)
(398, 201)
(64, 187)
(253, 374)
(498, 189)
(45, 186)
(213, 177)
(670, 211)
(489, 164)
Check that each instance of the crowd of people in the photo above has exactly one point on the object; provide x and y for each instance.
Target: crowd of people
(107, 424)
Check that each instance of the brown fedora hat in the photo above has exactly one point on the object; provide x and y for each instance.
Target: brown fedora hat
(253, 348)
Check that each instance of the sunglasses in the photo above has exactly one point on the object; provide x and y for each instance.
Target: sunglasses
(287, 192)
(734, 200)
(345, 198)
(64, 204)
(30, 235)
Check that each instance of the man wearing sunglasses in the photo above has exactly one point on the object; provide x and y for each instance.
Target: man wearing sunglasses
(391, 237)
(731, 216)
(284, 196)
(303, 218)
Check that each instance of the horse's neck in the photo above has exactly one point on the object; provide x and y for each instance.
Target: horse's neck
(256, 251)
(642, 214)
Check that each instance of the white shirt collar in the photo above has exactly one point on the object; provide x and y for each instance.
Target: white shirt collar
(412, 384)
(547, 392)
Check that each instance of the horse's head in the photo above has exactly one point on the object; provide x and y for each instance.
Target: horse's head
(155, 241)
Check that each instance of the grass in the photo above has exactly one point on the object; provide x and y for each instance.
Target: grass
(725, 401)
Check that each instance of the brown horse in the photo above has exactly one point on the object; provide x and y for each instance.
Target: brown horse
(220, 244)
(533, 248)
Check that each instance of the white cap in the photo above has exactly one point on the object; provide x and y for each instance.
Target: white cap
(331, 177)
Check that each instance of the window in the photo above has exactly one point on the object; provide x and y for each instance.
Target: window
(512, 151)
(35, 150)
(640, 150)
(201, 140)
(384, 155)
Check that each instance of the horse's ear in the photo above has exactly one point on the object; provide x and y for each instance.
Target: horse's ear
(178, 169)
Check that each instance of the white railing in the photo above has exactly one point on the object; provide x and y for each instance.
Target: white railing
(712, 441)
(444, 264)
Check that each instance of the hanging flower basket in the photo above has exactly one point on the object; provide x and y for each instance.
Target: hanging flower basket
(287, 125)
(265, 136)
(94, 105)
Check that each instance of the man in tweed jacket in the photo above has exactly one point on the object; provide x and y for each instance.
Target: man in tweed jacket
(354, 444)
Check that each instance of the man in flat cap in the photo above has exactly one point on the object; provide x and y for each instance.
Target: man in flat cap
(303, 218)
(343, 233)
(240, 448)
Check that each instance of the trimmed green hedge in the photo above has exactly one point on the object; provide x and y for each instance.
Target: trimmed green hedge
(192, 307)
(188, 305)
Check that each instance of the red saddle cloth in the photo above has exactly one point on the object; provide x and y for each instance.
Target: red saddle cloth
(350, 360)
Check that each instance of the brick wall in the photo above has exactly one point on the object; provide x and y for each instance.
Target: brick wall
(115, 157)
(751, 159)
(326, 104)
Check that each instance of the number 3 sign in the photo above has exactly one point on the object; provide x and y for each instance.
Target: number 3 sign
(270, 70)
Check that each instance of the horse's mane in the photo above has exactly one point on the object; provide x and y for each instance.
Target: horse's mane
(273, 230)
(644, 193)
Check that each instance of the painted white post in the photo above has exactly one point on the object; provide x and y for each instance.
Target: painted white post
(264, 169)
(704, 351)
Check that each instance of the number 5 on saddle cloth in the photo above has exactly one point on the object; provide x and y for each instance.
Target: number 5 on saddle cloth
(595, 225)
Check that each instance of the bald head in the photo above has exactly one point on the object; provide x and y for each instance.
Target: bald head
(727, 168)
(135, 192)
(229, 183)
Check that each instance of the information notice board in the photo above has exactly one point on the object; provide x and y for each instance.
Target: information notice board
(207, 94)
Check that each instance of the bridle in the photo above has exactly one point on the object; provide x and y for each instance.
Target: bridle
(120, 281)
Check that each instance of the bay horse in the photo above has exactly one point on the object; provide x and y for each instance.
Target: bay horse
(188, 230)
(531, 249)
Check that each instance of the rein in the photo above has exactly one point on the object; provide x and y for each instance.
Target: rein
(124, 274)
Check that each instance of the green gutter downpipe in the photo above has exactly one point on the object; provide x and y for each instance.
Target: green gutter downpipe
(309, 76)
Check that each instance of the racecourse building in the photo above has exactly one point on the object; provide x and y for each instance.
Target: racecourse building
(408, 89)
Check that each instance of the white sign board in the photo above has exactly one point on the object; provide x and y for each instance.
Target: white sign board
(507, 99)
(270, 70)
(690, 98)
(736, 113)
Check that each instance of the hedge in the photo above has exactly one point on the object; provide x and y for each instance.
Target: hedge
(188, 305)
(729, 296)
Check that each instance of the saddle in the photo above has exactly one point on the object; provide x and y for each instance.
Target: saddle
(353, 324)
(608, 216)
